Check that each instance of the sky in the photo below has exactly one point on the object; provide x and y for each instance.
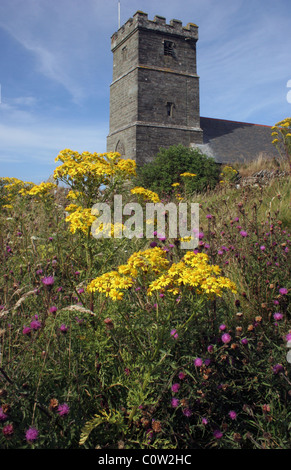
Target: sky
(56, 70)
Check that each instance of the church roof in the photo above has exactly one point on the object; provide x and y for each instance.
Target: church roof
(231, 141)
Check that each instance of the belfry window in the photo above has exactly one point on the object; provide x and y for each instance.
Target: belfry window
(169, 48)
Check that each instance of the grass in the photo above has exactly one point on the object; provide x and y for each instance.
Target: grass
(185, 371)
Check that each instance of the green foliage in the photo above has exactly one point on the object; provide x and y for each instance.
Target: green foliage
(166, 168)
(127, 369)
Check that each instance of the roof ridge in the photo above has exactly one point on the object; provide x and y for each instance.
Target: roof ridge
(237, 122)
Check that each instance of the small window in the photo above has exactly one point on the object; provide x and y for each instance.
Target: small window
(169, 48)
(170, 107)
(124, 53)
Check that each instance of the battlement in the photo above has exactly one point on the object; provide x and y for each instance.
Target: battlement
(158, 24)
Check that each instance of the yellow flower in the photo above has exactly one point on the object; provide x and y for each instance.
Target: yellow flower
(146, 194)
(187, 174)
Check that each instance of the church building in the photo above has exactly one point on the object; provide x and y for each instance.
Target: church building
(154, 97)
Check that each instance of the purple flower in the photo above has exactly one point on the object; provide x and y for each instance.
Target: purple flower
(209, 216)
(288, 337)
(174, 334)
(243, 233)
(48, 281)
(222, 327)
(53, 309)
(210, 348)
(187, 412)
(175, 402)
(31, 434)
(8, 430)
(35, 325)
(181, 375)
(232, 414)
(63, 328)
(278, 316)
(262, 247)
(278, 368)
(153, 244)
(217, 434)
(244, 341)
(198, 362)
(175, 387)
(26, 330)
(63, 409)
(226, 338)
(204, 421)
(200, 235)
(3, 416)
(283, 291)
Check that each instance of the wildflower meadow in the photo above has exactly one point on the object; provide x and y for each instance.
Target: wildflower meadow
(113, 342)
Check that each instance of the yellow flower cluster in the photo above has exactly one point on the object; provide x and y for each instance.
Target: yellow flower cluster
(151, 261)
(111, 284)
(79, 219)
(100, 166)
(282, 129)
(228, 174)
(146, 194)
(193, 271)
(110, 229)
(12, 188)
(187, 174)
(42, 189)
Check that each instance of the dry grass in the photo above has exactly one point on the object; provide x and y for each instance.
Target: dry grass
(260, 162)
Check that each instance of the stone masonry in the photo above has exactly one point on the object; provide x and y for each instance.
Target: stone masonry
(154, 94)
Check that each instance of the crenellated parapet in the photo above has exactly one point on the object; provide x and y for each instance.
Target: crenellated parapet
(158, 24)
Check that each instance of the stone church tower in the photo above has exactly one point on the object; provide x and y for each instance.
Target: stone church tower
(154, 94)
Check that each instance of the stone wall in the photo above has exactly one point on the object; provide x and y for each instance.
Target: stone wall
(154, 95)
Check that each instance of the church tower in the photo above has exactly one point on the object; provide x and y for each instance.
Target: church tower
(154, 94)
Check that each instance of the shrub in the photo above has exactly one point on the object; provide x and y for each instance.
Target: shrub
(170, 163)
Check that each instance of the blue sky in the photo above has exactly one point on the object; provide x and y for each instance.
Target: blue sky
(56, 70)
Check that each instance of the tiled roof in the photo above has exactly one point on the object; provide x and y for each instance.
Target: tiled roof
(231, 141)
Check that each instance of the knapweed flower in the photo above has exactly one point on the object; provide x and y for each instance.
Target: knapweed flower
(222, 327)
(262, 247)
(31, 434)
(174, 334)
(35, 325)
(283, 291)
(175, 387)
(243, 233)
(278, 316)
(63, 409)
(48, 281)
(217, 434)
(8, 430)
(181, 375)
(26, 330)
(198, 362)
(3, 416)
(53, 309)
(187, 412)
(175, 402)
(226, 338)
(204, 421)
(63, 328)
(244, 341)
(278, 368)
(232, 414)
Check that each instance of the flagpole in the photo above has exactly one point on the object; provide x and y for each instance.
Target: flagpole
(118, 14)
